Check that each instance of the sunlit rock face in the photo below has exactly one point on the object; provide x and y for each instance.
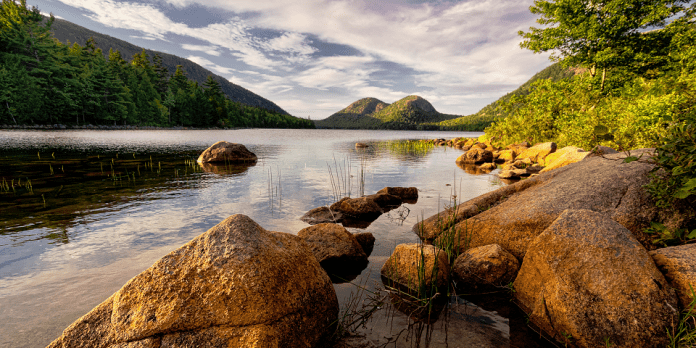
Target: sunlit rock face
(588, 278)
(236, 285)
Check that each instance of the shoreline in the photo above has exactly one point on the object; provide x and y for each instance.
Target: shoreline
(102, 127)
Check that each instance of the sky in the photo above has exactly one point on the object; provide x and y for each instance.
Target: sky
(315, 57)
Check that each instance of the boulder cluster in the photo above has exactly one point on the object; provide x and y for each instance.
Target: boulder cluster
(570, 246)
(362, 211)
(515, 160)
(567, 242)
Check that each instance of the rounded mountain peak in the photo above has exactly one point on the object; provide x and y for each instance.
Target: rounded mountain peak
(365, 106)
(417, 102)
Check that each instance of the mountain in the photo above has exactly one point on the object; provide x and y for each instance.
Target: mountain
(66, 31)
(356, 115)
(412, 112)
(489, 113)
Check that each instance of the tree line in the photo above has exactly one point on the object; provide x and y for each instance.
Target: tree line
(44, 81)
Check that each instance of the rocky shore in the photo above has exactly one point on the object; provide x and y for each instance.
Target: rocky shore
(567, 242)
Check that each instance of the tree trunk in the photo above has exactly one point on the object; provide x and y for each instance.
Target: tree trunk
(604, 75)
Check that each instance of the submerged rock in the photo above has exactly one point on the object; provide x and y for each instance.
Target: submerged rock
(223, 151)
(234, 285)
(588, 278)
(322, 215)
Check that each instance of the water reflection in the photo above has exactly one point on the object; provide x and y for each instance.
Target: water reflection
(56, 190)
(226, 168)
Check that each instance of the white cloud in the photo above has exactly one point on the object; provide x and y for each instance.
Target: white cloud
(211, 50)
(465, 54)
(221, 70)
(454, 45)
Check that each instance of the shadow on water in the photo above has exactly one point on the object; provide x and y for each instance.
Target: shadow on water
(390, 318)
(54, 191)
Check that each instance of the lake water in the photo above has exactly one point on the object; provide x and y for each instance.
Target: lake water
(81, 212)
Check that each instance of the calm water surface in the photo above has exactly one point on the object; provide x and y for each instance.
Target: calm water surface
(81, 212)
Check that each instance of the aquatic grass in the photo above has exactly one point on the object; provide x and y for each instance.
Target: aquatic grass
(340, 183)
(275, 191)
(417, 148)
(358, 309)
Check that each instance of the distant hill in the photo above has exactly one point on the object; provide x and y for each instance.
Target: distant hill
(66, 31)
(412, 112)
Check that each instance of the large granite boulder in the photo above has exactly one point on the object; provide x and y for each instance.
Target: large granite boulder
(476, 155)
(588, 278)
(678, 264)
(223, 151)
(537, 152)
(484, 268)
(236, 285)
(418, 267)
(334, 247)
(564, 157)
(514, 215)
(506, 156)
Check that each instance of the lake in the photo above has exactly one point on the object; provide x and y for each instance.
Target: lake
(82, 212)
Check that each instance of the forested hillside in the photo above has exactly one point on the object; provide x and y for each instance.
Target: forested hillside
(66, 32)
(43, 81)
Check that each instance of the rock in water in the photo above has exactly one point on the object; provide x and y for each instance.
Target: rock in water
(476, 155)
(484, 268)
(405, 193)
(417, 266)
(223, 151)
(334, 247)
(237, 285)
(366, 241)
(587, 277)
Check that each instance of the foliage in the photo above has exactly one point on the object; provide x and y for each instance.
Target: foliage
(684, 334)
(43, 81)
(598, 35)
(666, 236)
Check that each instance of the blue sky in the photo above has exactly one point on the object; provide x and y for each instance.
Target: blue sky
(315, 57)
